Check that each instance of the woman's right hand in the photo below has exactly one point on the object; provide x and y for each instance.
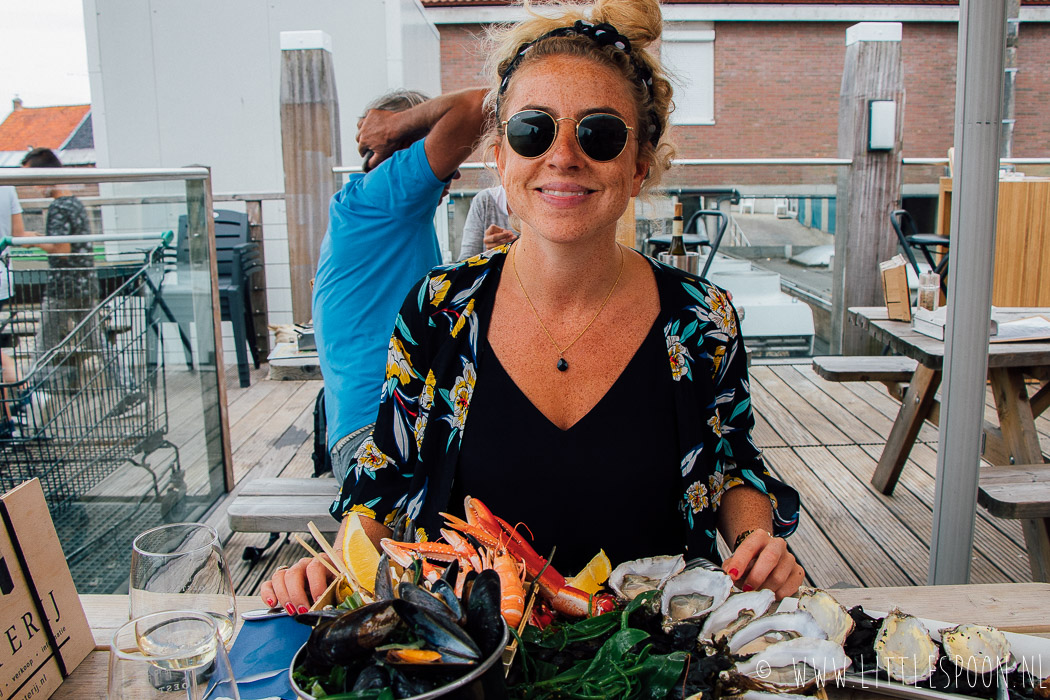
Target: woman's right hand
(296, 587)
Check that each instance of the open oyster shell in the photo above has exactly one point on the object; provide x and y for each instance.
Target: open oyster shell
(692, 594)
(828, 612)
(790, 666)
(632, 578)
(738, 610)
(977, 648)
(904, 649)
(772, 629)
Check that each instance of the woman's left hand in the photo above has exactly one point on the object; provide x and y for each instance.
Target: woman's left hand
(763, 561)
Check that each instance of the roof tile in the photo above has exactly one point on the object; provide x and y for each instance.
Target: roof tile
(40, 127)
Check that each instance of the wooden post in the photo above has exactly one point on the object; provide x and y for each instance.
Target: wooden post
(310, 143)
(869, 189)
(260, 311)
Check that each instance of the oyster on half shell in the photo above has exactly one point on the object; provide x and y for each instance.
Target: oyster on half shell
(738, 610)
(977, 648)
(635, 577)
(791, 666)
(828, 612)
(772, 629)
(693, 593)
(904, 649)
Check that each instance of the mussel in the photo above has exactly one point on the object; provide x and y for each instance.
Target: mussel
(440, 632)
(346, 638)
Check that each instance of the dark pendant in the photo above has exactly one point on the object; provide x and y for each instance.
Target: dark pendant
(562, 364)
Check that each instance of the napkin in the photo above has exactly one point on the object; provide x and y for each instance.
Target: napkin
(262, 646)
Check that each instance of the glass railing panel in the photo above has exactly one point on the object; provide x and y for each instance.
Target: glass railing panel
(111, 389)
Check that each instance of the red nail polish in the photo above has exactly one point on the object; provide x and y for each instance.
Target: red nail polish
(747, 588)
(733, 573)
(303, 609)
(290, 608)
(269, 602)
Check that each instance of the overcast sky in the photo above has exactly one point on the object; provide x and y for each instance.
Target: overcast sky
(43, 59)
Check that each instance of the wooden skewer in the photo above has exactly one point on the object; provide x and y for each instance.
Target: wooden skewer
(316, 555)
(336, 559)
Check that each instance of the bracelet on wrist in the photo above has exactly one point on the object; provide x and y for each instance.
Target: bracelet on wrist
(747, 533)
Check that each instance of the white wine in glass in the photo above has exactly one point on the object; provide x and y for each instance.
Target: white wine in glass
(181, 567)
(177, 652)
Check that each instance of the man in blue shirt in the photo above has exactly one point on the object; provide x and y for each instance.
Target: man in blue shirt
(380, 242)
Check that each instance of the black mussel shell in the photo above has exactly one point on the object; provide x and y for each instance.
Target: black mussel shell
(407, 683)
(383, 586)
(373, 677)
(447, 592)
(439, 632)
(425, 599)
(484, 621)
(313, 618)
(354, 634)
(451, 572)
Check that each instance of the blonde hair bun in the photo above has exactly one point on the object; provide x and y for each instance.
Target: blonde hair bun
(639, 20)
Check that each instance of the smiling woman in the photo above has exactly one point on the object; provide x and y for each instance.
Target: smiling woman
(590, 393)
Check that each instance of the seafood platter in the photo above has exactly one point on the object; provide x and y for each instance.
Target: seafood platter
(441, 616)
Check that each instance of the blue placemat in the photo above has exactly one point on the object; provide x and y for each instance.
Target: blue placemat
(263, 646)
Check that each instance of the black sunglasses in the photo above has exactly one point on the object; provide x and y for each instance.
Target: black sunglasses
(532, 132)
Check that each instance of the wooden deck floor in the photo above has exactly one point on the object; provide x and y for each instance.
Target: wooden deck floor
(824, 438)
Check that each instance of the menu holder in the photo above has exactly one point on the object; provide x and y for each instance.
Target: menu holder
(895, 288)
(46, 634)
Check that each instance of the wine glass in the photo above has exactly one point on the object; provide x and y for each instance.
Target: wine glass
(173, 654)
(181, 567)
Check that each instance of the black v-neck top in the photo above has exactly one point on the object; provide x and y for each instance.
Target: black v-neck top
(593, 486)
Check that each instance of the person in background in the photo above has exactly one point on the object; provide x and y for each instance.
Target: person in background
(381, 240)
(488, 223)
(72, 288)
(570, 383)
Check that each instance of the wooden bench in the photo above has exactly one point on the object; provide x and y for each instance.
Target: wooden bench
(893, 371)
(284, 505)
(1022, 492)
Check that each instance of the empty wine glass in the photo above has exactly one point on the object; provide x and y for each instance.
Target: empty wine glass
(181, 567)
(173, 654)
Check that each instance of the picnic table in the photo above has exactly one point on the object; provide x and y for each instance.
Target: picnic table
(1015, 607)
(1014, 443)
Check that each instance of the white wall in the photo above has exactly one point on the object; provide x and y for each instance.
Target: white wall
(179, 82)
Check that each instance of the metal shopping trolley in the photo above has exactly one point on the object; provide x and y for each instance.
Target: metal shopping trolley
(83, 404)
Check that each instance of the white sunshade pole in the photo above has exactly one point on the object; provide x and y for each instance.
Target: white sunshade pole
(978, 113)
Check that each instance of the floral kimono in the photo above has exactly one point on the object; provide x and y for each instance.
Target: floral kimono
(409, 463)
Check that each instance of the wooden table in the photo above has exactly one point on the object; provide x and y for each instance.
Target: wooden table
(1012, 607)
(1013, 442)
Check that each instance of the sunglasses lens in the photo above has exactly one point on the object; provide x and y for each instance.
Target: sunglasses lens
(530, 133)
(602, 136)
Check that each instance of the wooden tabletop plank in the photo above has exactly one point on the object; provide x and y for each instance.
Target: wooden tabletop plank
(1021, 491)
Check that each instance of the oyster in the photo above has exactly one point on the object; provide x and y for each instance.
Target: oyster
(632, 578)
(692, 594)
(772, 629)
(792, 665)
(976, 648)
(829, 614)
(904, 649)
(738, 610)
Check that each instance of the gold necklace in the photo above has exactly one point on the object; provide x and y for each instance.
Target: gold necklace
(562, 364)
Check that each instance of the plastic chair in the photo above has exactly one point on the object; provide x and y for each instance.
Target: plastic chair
(909, 238)
(236, 259)
(782, 208)
(747, 204)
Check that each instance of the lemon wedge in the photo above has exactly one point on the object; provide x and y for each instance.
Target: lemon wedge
(592, 577)
(359, 554)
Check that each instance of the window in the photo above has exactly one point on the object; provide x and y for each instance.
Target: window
(688, 50)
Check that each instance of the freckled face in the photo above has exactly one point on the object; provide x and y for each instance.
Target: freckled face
(563, 195)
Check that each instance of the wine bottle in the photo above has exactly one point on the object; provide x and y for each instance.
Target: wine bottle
(677, 242)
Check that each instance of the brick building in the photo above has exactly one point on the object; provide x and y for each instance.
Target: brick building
(763, 79)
